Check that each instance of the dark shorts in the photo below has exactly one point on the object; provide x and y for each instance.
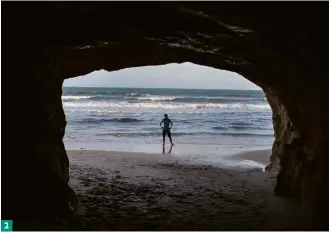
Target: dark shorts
(166, 132)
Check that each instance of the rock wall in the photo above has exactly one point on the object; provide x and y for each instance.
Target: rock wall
(288, 151)
(37, 166)
(48, 42)
(299, 153)
(39, 170)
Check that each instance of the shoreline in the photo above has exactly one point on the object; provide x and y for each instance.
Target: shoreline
(218, 155)
(139, 191)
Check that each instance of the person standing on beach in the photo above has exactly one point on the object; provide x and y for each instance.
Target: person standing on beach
(167, 125)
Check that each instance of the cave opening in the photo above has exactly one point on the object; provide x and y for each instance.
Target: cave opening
(216, 112)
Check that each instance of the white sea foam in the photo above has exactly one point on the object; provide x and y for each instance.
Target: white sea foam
(181, 97)
(132, 94)
(156, 98)
(75, 97)
(243, 164)
(162, 105)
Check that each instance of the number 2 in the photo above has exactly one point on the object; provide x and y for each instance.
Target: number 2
(7, 225)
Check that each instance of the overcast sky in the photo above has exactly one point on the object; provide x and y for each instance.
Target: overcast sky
(186, 75)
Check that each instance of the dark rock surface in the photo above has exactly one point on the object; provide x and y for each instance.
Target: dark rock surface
(282, 47)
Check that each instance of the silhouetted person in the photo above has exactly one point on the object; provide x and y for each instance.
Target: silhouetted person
(167, 125)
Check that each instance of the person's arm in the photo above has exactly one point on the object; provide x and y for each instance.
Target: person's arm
(171, 124)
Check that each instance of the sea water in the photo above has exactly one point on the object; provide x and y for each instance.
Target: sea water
(205, 122)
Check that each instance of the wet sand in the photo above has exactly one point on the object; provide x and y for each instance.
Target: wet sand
(139, 191)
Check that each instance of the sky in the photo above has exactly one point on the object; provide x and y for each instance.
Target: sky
(185, 75)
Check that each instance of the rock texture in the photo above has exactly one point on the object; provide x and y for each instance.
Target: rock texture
(281, 47)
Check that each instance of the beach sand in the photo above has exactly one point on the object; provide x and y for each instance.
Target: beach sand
(139, 191)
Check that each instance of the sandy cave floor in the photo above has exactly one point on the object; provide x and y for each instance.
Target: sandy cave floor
(135, 191)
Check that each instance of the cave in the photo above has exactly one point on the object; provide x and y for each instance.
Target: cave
(281, 47)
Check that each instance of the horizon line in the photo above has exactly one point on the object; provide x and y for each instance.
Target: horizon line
(122, 87)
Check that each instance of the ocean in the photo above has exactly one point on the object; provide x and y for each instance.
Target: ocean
(205, 122)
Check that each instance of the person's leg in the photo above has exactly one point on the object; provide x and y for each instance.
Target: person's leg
(169, 135)
(163, 136)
